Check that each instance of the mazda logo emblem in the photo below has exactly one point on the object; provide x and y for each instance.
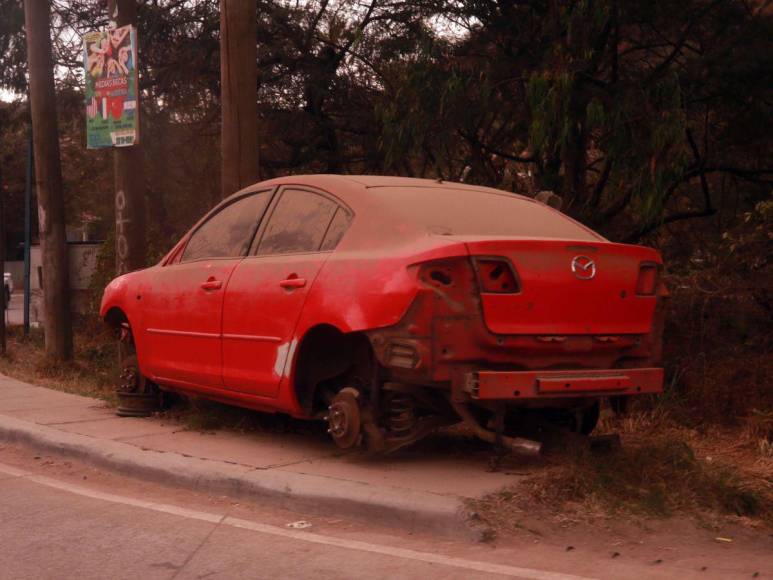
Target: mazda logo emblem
(583, 267)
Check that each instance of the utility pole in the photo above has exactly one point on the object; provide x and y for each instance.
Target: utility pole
(48, 174)
(3, 301)
(238, 94)
(28, 228)
(130, 237)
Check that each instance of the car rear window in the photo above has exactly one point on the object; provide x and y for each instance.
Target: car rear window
(480, 213)
(298, 224)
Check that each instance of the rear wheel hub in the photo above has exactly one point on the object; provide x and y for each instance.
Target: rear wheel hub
(344, 418)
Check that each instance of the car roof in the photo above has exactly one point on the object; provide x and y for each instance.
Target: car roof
(382, 201)
(348, 186)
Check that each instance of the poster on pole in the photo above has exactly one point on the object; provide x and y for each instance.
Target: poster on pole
(112, 108)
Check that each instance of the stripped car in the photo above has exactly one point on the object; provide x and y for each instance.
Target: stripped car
(390, 306)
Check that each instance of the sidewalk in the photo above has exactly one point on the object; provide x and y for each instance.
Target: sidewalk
(413, 488)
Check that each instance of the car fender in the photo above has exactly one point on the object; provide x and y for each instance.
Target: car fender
(122, 293)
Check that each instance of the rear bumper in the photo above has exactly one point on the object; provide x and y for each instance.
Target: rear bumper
(518, 385)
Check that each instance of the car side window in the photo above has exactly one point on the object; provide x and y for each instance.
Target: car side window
(336, 230)
(229, 232)
(298, 223)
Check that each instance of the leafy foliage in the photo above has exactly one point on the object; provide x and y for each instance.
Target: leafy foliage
(640, 115)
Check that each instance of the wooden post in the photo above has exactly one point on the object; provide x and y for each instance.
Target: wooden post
(238, 94)
(130, 236)
(48, 176)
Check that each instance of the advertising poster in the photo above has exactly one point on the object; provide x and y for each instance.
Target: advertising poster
(112, 109)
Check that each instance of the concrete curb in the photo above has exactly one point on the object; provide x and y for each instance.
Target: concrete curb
(416, 511)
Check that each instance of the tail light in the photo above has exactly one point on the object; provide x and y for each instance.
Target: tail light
(440, 274)
(497, 276)
(649, 273)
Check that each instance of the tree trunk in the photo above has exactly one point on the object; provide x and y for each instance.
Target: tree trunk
(130, 236)
(575, 155)
(238, 95)
(48, 175)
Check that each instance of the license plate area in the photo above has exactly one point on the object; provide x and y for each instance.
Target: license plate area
(556, 385)
(544, 384)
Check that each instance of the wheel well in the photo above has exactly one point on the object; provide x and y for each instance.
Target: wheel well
(115, 317)
(328, 360)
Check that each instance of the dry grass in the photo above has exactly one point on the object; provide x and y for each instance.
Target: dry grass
(92, 374)
(196, 414)
(661, 470)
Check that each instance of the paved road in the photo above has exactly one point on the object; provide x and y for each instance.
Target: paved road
(54, 533)
(52, 527)
(60, 519)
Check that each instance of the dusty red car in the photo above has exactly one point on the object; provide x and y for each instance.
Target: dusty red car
(388, 306)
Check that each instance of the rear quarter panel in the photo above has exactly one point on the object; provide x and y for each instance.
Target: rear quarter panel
(360, 290)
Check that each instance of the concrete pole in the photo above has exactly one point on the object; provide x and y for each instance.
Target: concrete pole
(3, 302)
(48, 176)
(130, 235)
(238, 94)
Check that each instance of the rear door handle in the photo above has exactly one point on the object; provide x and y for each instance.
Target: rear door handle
(293, 283)
(212, 284)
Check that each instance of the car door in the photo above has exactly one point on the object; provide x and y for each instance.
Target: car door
(267, 290)
(183, 305)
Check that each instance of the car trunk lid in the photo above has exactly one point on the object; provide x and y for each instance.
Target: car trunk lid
(568, 288)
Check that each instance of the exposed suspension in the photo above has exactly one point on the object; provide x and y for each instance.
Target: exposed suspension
(401, 414)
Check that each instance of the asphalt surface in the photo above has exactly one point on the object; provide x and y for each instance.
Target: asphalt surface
(51, 533)
(62, 519)
(53, 527)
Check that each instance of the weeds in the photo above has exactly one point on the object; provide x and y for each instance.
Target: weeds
(661, 470)
(656, 478)
(93, 373)
(759, 427)
(202, 415)
(718, 347)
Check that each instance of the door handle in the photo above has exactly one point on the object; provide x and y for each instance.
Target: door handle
(212, 284)
(291, 283)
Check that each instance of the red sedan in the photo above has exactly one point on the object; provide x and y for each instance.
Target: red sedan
(389, 306)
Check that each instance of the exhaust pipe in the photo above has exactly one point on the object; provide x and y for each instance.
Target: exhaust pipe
(517, 445)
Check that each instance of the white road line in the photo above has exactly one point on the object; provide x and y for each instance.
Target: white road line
(311, 537)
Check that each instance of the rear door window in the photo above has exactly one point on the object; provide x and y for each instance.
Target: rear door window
(298, 223)
(336, 230)
(229, 232)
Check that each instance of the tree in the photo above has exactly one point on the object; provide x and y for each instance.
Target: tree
(634, 112)
(640, 115)
(48, 173)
